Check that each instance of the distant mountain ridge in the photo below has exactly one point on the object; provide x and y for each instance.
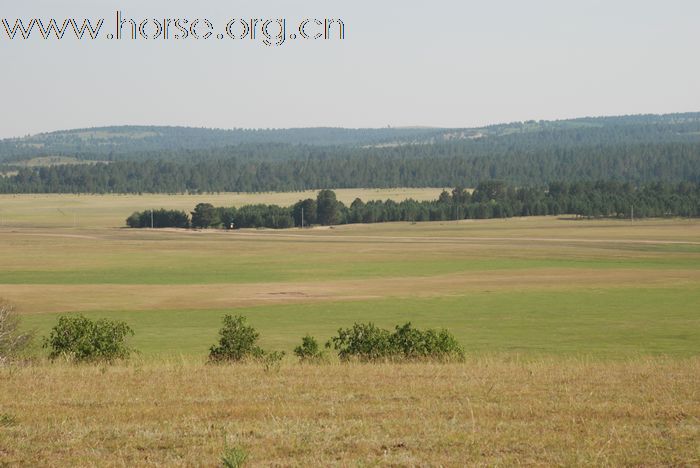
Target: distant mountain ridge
(118, 141)
(638, 150)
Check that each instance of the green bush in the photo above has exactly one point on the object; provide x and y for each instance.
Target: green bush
(413, 344)
(81, 339)
(367, 342)
(364, 342)
(237, 341)
(12, 342)
(309, 350)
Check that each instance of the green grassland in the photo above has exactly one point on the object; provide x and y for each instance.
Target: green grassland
(613, 323)
(530, 286)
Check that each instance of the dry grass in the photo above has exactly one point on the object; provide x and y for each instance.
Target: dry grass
(68, 210)
(488, 412)
(50, 298)
(119, 269)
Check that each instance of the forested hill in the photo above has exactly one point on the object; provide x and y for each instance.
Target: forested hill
(635, 149)
(130, 142)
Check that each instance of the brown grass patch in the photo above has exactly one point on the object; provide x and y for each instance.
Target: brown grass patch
(489, 411)
(90, 297)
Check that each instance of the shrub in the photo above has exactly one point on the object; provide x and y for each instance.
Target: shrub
(411, 344)
(12, 342)
(309, 350)
(366, 342)
(237, 341)
(81, 339)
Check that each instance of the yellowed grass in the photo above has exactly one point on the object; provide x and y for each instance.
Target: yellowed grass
(486, 412)
(35, 299)
(558, 254)
(54, 161)
(90, 211)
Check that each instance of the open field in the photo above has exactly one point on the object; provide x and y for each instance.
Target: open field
(485, 412)
(582, 340)
(605, 288)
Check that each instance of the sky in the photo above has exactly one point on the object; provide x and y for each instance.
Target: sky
(443, 63)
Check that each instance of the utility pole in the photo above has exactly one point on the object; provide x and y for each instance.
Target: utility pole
(151, 218)
(632, 217)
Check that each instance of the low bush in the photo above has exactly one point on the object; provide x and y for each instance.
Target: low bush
(367, 342)
(237, 341)
(364, 342)
(413, 344)
(309, 350)
(80, 339)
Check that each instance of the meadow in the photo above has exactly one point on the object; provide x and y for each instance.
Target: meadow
(484, 412)
(582, 338)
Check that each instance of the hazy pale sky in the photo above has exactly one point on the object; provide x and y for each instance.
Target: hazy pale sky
(402, 63)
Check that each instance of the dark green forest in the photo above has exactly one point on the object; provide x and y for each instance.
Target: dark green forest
(490, 199)
(635, 149)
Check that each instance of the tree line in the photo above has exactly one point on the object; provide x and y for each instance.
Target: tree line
(490, 199)
(445, 165)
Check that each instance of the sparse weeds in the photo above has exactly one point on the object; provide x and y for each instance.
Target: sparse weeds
(234, 457)
(272, 361)
(13, 342)
(7, 420)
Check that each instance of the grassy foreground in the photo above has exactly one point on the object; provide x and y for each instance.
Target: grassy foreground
(488, 411)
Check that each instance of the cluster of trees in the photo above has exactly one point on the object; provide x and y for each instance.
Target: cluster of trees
(161, 218)
(490, 199)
